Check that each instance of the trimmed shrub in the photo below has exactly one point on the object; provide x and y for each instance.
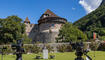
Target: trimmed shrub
(101, 47)
(50, 48)
(36, 49)
(28, 48)
(69, 48)
(85, 46)
(94, 46)
(6, 50)
(32, 49)
(62, 48)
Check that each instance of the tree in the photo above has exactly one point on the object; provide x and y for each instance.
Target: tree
(100, 33)
(27, 40)
(68, 33)
(12, 29)
(93, 22)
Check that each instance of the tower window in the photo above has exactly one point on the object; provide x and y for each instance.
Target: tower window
(52, 25)
(45, 15)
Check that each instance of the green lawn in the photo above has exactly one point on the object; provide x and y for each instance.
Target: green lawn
(59, 56)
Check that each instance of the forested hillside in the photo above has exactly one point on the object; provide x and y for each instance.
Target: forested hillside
(93, 22)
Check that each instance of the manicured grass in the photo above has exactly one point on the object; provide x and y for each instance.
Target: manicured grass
(99, 55)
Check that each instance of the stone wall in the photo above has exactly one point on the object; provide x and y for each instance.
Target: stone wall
(28, 28)
(54, 45)
(49, 31)
(44, 32)
(33, 32)
(44, 27)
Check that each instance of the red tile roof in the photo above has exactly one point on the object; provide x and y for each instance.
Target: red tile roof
(27, 20)
(51, 14)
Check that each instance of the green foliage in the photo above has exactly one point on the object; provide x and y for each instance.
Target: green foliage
(36, 49)
(50, 48)
(94, 46)
(93, 22)
(85, 46)
(89, 34)
(7, 49)
(32, 49)
(99, 55)
(70, 33)
(62, 48)
(101, 47)
(100, 33)
(69, 48)
(102, 38)
(27, 40)
(27, 48)
(12, 29)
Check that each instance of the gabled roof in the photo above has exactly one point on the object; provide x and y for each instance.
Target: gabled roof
(27, 20)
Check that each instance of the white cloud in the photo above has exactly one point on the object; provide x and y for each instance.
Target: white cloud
(73, 8)
(90, 5)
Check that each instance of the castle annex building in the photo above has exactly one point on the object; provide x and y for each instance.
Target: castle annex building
(47, 28)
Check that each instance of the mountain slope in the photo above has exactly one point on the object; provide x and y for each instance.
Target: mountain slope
(102, 2)
(96, 19)
(93, 22)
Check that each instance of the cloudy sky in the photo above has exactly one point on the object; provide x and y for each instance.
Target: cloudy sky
(72, 10)
(90, 5)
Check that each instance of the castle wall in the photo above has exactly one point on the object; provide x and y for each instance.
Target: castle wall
(45, 27)
(49, 31)
(28, 28)
(33, 32)
(45, 32)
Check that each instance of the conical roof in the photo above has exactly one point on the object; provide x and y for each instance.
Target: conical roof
(49, 16)
(27, 20)
(48, 13)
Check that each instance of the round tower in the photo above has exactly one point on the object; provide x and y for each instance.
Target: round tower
(49, 25)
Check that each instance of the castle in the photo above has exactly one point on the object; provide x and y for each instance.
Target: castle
(47, 28)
